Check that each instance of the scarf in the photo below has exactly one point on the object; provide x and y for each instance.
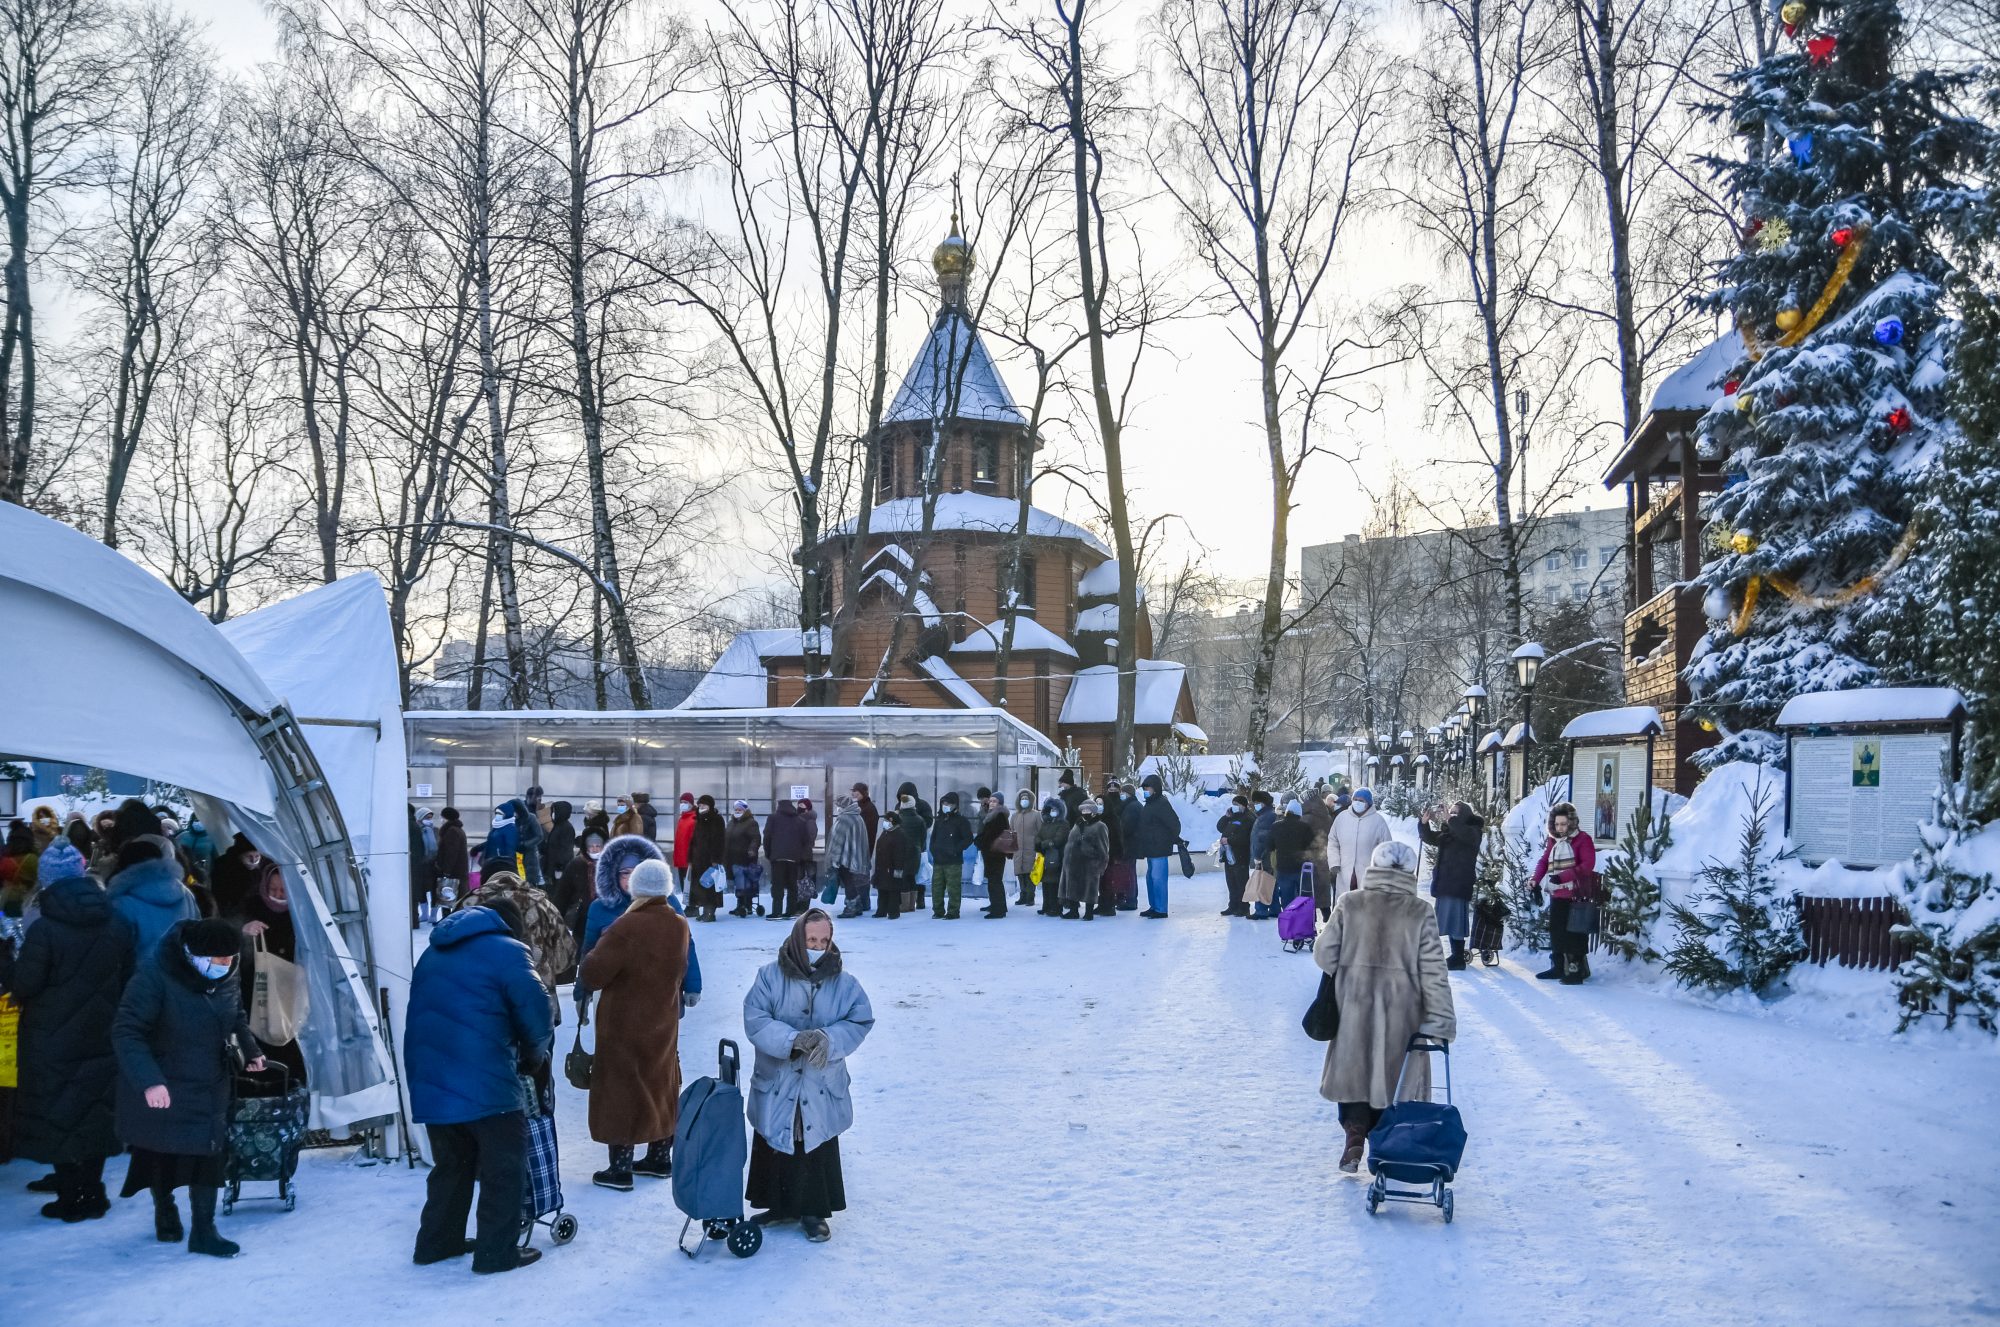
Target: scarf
(1562, 855)
(280, 905)
(792, 960)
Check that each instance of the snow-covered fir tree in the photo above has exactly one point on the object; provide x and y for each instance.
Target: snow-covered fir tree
(1740, 930)
(1632, 886)
(1853, 188)
(1953, 900)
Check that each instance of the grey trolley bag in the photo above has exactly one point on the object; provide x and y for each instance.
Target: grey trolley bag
(711, 1150)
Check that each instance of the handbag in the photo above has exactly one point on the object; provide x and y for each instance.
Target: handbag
(1582, 917)
(577, 1064)
(830, 891)
(1187, 858)
(1007, 844)
(1262, 886)
(279, 997)
(1322, 1018)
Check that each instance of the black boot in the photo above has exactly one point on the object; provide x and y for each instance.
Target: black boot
(1574, 971)
(203, 1237)
(67, 1205)
(1457, 960)
(617, 1175)
(656, 1163)
(167, 1218)
(1555, 969)
(1070, 913)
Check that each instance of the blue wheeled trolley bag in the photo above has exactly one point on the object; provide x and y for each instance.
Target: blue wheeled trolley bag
(711, 1149)
(1417, 1143)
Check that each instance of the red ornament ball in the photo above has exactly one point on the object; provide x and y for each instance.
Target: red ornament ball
(1729, 388)
(1842, 236)
(1900, 421)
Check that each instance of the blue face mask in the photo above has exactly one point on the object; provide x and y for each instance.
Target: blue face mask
(214, 969)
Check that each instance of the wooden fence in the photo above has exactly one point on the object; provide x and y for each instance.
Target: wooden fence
(1853, 932)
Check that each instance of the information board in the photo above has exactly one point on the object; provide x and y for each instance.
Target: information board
(1607, 780)
(1858, 798)
(801, 791)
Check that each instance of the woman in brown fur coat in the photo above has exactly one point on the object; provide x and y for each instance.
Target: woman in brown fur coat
(1381, 948)
(636, 968)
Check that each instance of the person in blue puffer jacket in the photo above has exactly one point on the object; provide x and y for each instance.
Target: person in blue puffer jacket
(479, 1018)
(146, 890)
(614, 866)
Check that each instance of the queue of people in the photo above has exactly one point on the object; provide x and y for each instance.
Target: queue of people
(134, 1013)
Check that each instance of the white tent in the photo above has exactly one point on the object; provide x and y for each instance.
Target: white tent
(118, 672)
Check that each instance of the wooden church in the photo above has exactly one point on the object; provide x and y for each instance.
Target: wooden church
(934, 602)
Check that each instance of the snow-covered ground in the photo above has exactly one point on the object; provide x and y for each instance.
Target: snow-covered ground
(1119, 1123)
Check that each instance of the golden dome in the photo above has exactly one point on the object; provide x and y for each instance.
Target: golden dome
(953, 258)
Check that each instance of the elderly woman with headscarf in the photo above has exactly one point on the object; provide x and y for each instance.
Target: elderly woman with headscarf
(638, 965)
(805, 1014)
(1086, 855)
(1381, 947)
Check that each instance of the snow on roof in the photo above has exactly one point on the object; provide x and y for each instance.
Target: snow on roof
(738, 680)
(1100, 580)
(1519, 735)
(1697, 384)
(1489, 742)
(1104, 617)
(1093, 694)
(891, 552)
(1192, 732)
(968, 511)
(1028, 635)
(1627, 721)
(1829, 709)
(922, 602)
(954, 355)
(946, 676)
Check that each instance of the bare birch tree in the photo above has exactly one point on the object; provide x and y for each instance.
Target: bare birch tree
(1276, 121)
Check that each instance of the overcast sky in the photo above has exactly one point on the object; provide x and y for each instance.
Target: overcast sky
(1194, 446)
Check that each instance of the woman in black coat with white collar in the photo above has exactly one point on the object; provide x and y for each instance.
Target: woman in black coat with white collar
(177, 1032)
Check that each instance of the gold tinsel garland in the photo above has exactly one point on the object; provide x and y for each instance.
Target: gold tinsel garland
(1790, 588)
(1850, 254)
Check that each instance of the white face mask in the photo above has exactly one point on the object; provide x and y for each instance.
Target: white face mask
(1026, 803)
(813, 956)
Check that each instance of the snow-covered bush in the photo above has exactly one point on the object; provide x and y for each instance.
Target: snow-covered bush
(1632, 885)
(1177, 771)
(1403, 800)
(1953, 900)
(1740, 930)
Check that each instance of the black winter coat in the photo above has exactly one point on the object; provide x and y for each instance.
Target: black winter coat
(1159, 828)
(175, 1026)
(1234, 826)
(741, 841)
(1291, 843)
(453, 860)
(72, 967)
(990, 830)
(870, 817)
(896, 855)
(559, 845)
(1457, 845)
(789, 835)
(1073, 797)
(709, 844)
(1123, 817)
(951, 835)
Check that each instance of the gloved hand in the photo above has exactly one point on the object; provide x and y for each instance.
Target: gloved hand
(812, 1045)
(689, 999)
(583, 1009)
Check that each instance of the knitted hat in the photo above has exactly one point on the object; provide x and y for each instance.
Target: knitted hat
(649, 879)
(1294, 807)
(213, 938)
(59, 861)
(1066, 779)
(687, 799)
(1365, 796)
(739, 805)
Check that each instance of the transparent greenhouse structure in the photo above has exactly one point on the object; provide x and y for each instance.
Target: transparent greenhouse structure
(476, 760)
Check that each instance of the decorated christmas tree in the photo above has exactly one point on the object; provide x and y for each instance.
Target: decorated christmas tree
(1853, 189)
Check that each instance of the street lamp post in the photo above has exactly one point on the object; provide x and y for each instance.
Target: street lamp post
(1527, 667)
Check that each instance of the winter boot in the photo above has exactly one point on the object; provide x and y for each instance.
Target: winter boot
(203, 1237)
(93, 1201)
(1070, 913)
(46, 1184)
(166, 1218)
(1261, 913)
(617, 1175)
(656, 1163)
(1574, 971)
(816, 1229)
(66, 1206)
(853, 909)
(1457, 960)
(1357, 1143)
(1555, 970)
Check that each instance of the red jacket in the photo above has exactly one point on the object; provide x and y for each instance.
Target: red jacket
(1581, 876)
(683, 838)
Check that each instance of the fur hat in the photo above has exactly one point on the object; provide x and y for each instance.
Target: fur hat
(650, 879)
(133, 819)
(213, 938)
(1393, 855)
(620, 855)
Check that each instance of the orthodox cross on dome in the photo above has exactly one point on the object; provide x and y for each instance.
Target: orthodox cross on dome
(952, 260)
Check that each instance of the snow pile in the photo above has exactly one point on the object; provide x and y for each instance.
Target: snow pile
(1710, 826)
(1527, 824)
(1627, 721)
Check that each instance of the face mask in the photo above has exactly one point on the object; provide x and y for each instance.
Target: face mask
(622, 809)
(1145, 794)
(904, 804)
(1025, 803)
(813, 956)
(212, 968)
(500, 821)
(1240, 808)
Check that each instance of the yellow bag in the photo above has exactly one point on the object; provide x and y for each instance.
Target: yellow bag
(1035, 876)
(10, 1042)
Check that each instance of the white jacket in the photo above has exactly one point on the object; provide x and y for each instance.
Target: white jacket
(1351, 844)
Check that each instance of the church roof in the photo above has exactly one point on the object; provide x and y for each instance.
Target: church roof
(926, 390)
(980, 512)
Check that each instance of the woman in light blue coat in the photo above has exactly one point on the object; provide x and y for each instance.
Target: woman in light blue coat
(805, 1016)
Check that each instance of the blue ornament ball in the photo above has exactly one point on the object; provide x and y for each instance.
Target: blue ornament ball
(1801, 146)
(1889, 331)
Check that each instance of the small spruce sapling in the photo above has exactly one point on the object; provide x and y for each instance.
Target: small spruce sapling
(1739, 931)
(1954, 927)
(1632, 889)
